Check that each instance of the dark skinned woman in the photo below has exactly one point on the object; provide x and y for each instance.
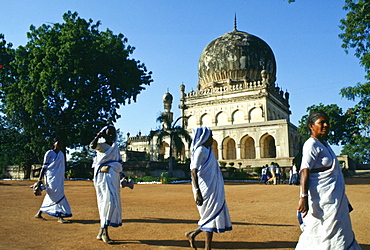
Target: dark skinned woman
(323, 208)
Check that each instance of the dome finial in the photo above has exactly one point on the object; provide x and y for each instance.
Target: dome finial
(235, 21)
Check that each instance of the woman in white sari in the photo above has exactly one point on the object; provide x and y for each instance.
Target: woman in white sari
(323, 209)
(55, 202)
(208, 189)
(107, 167)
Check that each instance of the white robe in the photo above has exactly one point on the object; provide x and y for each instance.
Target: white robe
(327, 224)
(107, 185)
(214, 213)
(55, 202)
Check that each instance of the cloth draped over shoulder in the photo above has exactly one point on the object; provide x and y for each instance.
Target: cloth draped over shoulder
(214, 213)
(327, 224)
(55, 202)
(107, 185)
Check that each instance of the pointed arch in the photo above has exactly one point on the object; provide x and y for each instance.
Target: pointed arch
(238, 117)
(248, 148)
(268, 147)
(206, 120)
(215, 148)
(255, 115)
(221, 119)
(192, 122)
(164, 151)
(180, 154)
(229, 149)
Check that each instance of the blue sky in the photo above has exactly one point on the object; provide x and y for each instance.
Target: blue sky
(169, 36)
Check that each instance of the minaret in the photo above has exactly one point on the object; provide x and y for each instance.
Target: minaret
(167, 105)
(182, 106)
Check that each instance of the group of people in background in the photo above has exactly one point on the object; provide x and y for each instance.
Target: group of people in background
(274, 174)
(323, 209)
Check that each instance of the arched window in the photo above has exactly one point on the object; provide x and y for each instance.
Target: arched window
(268, 148)
(238, 117)
(221, 119)
(215, 148)
(206, 120)
(164, 151)
(255, 115)
(180, 154)
(192, 122)
(248, 149)
(229, 150)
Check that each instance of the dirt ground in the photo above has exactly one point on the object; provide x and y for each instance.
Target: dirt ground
(157, 217)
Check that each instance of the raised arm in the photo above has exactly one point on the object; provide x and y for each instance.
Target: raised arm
(93, 144)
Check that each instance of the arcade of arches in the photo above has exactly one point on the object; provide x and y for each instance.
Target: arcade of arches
(229, 149)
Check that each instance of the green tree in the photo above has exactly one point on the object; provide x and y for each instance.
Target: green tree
(344, 130)
(356, 35)
(358, 146)
(342, 125)
(175, 133)
(69, 79)
(356, 31)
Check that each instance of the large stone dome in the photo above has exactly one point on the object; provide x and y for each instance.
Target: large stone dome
(236, 56)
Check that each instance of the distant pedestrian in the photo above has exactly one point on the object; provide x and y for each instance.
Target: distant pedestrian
(263, 178)
(272, 172)
(277, 172)
(294, 177)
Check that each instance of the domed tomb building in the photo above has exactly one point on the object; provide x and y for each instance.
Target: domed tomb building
(238, 98)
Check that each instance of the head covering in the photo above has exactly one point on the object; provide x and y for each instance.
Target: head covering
(108, 126)
(200, 136)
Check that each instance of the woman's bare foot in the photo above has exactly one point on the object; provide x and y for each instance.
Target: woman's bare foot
(106, 238)
(38, 216)
(61, 220)
(100, 234)
(191, 238)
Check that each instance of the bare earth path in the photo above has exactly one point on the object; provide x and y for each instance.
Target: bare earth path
(157, 217)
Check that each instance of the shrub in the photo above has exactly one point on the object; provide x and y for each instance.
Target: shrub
(257, 170)
(222, 164)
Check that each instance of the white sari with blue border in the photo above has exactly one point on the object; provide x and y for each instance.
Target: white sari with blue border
(214, 213)
(55, 202)
(107, 185)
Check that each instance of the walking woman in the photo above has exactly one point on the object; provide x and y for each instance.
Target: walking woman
(107, 167)
(323, 208)
(208, 189)
(53, 170)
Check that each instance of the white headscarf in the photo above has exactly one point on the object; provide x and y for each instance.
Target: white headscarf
(200, 136)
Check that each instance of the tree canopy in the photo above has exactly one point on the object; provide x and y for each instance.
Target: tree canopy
(351, 128)
(68, 80)
(340, 128)
(356, 35)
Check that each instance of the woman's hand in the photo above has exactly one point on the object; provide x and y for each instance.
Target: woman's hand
(303, 202)
(303, 206)
(199, 198)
